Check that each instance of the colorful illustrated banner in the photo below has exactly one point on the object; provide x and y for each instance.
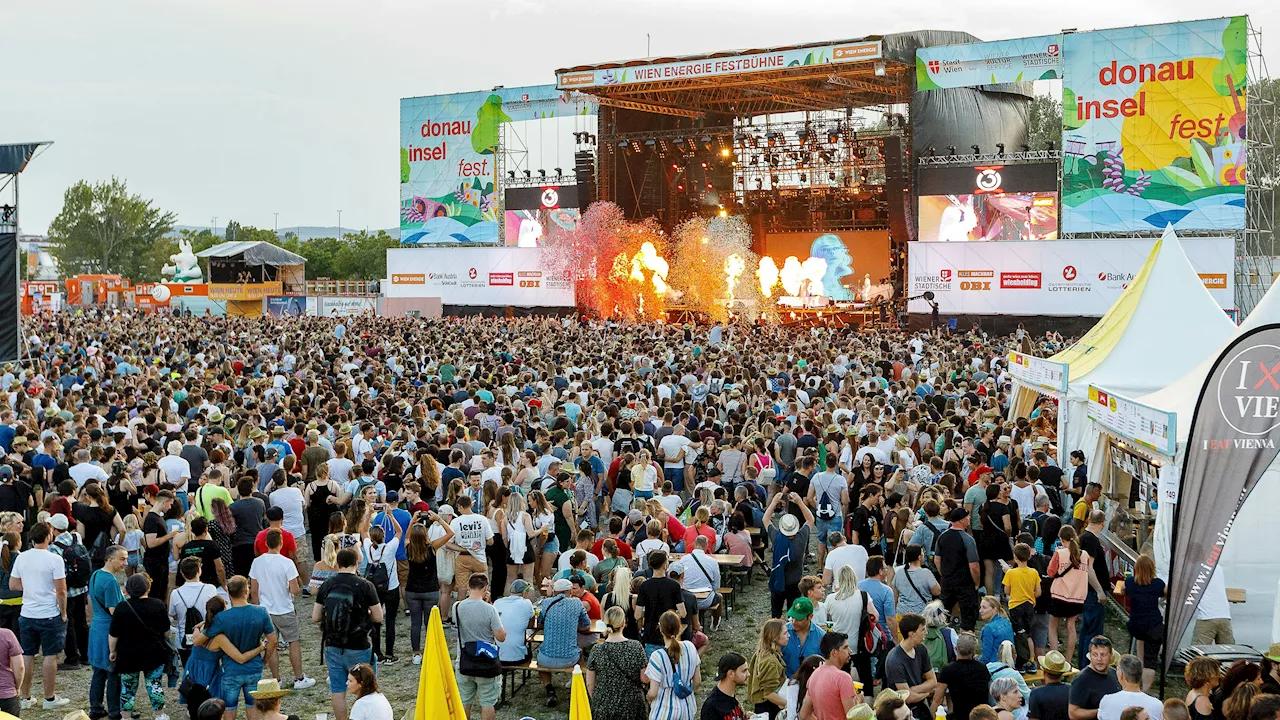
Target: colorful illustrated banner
(1148, 426)
(1154, 127)
(1038, 372)
(476, 276)
(448, 179)
(712, 67)
(1063, 277)
(989, 63)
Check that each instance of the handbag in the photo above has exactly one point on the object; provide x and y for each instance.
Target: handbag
(681, 688)
(170, 663)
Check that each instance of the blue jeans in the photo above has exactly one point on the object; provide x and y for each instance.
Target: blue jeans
(643, 495)
(45, 636)
(675, 476)
(1091, 623)
(104, 683)
(234, 685)
(826, 527)
(651, 649)
(340, 662)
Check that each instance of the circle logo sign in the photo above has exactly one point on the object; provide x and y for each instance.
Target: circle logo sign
(989, 180)
(471, 273)
(1069, 272)
(550, 198)
(1249, 390)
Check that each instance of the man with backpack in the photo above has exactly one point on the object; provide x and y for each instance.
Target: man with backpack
(40, 576)
(828, 496)
(927, 533)
(187, 602)
(346, 607)
(79, 566)
(274, 584)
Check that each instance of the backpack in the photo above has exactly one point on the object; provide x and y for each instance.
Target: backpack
(376, 572)
(78, 564)
(1031, 524)
(681, 688)
(340, 622)
(99, 551)
(826, 506)
(190, 619)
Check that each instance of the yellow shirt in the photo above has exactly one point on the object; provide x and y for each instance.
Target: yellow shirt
(1081, 511)
(1022, 583)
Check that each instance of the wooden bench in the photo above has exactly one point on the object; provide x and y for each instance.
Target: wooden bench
(1038, 676)
(729, 597)
(524, 669)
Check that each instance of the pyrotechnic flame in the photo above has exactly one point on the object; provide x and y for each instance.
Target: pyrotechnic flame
(649, 259)
(734, 266)
(768, 275)
(795, 274)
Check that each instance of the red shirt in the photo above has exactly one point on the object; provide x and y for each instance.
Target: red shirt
(675, 529)
(419, 507)
(828, 687)
(624, 550)
(287, 547)
(298, 445)
(692, 533)
(593, 611)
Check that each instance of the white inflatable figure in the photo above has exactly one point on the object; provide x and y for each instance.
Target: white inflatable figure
(185, 267)
(956, 224)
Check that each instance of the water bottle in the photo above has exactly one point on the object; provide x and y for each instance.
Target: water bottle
(941, 714)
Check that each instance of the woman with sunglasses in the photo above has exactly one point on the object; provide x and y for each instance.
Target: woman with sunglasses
(370, 703)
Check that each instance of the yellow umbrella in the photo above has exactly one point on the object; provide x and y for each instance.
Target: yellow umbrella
(438, 697)
(579, 703)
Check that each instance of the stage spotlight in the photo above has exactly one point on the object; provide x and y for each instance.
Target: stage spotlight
(706, 142)
(559, 172)
(511, 174)
(951, 149)
(1026, 147)
(976, 150)
(772, 138)
(710, 186)
(542, 174)
(674, 166)
(833, 134)
(623, 144)
(802, 135)
(755, 160)
(650, 144)
(680, 188)
(724, 152)
(704, 166)
(759, 183)
(680, 145)
(1000, 149)
(724, 213)
(933, 152)
(527, 175)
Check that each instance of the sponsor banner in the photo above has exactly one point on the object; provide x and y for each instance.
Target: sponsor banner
(448, 178)
(980, 179)
(714, 67)
(989, 63)
(1153, 127)
(547, 197)
(477, 276)
(1150, 427)
(989, 217)
(242, 292)
(337, 305)
(287, 305)
(1038, 372)
(1233, 441)
(1065, 277)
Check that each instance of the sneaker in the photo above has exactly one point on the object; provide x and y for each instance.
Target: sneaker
(389, 660)
(417, 659)
(306, 592)
(551, 698)
(27, 703)
(56, 703)
(304, 683)
(69, 665)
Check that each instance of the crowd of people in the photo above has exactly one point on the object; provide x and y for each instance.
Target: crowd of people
(566, 493)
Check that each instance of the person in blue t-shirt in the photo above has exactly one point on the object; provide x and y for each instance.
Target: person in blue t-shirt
(246, 626)
(404, 519)
(881, 595)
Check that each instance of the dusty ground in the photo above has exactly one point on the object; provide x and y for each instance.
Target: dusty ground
(399, 682)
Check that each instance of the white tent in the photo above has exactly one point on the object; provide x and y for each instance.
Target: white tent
(1161, 327)
(1248, 560)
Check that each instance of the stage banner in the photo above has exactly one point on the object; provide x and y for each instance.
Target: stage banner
(1064, 277)
(545, 197)
(1145, 425)
(1038, 372)
(989, 63)
(1233, 440)
(476, 276)
(10, 345)
(1153, 127)
(448, 179)
(333, 306)
(853, 51)
(286, 305)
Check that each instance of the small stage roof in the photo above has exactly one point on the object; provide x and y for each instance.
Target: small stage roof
(253, 253)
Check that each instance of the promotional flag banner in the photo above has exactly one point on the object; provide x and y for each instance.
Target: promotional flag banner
(1234, 436)
(438, 697)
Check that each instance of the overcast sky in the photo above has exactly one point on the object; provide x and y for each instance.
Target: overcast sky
(245, 108)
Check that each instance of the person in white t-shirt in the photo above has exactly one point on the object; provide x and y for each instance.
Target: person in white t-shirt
(289, 499)
(843, 554)
(379, 549)
(340, 466)
(41, 576)
(677, 450)
(1129, 673)
(472, 534)
(176, 469)
(191, 594)
(275, 583)
(84, 470)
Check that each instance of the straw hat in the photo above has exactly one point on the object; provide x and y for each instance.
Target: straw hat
(268, 689)
(788, 525)
(1273, 653)
(861, 711)
(1055, 662)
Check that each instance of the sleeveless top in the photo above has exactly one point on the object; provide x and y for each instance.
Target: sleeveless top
(517, 540)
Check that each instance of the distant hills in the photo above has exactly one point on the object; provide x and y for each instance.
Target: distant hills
(304, 232)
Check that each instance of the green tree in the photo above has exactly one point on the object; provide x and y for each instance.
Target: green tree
(232, 232)
(1044, 122)
(104, 229)
(363, 256)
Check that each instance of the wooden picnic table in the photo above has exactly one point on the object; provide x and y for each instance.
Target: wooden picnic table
(719, 558)
(1235, 596)
(597, 626)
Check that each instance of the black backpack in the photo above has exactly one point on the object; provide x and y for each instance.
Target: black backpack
(190, 619)
(376, 573)
(340, 621)
(78, 565)
(1031, 524)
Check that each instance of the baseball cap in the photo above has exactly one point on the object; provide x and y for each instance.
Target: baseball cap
(561, 585)
(728, 663)
(801, 609)
(957, 515)
(59, 521)
(519, 587)
(634, 516)
(676, 569)
(446, 510)
(6, 472)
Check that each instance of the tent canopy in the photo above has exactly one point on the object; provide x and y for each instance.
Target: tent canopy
(252, 253)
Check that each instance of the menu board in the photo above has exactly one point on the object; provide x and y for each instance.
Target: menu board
(1038, 372)
(1150, 427)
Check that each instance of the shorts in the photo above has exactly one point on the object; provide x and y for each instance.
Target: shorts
(464, 567)
(135, 559)
(340, 661)
(234, 685)
(46, 636)
(700, 640)
(1065, 608)
(287, 628)
(1040, 630)
(835, 524)
(552, 545)
(642, 495)
(1023, 618)
(481, 691)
